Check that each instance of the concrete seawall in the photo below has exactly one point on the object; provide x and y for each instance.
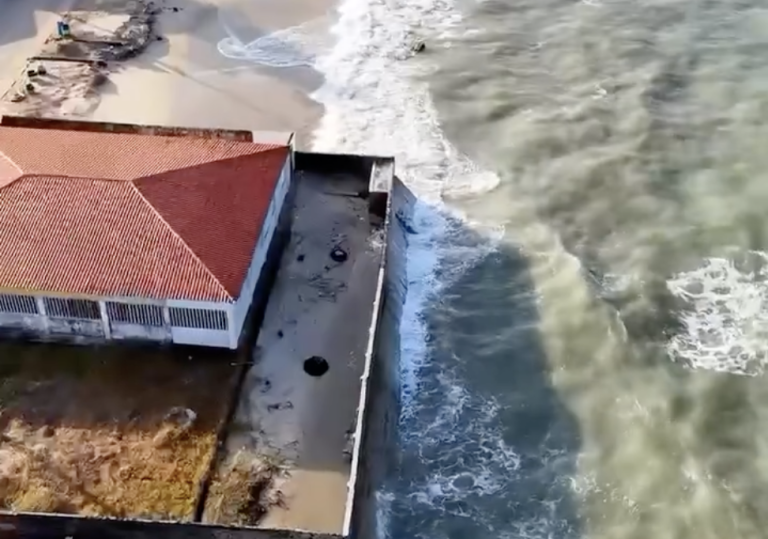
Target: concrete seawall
(379, 411)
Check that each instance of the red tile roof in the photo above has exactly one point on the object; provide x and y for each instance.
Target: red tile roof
(127, 215)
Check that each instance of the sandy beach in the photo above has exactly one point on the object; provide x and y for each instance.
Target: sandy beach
(181, 78)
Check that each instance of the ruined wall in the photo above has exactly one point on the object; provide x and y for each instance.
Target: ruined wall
(377, 429)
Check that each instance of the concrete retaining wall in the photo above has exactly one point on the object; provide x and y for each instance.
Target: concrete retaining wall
(391, 201)
(378, 415)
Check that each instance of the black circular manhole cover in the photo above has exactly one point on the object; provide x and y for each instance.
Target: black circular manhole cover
(316, 366)
(338, 255)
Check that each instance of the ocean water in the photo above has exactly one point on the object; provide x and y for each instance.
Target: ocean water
(587, 319)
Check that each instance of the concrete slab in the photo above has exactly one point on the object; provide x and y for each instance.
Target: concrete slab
(292, 431)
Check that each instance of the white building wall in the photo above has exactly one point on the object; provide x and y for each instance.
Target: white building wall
(167, 332)
(33, 323)
(243, 302)
(123, 331)
(202, 337)
(105, 328)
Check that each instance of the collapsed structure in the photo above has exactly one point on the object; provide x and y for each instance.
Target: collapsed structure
(124, 232)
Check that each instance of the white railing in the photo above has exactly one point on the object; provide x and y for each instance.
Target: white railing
(82, 309)
(183, 317)
(16, 304)
(131, 313)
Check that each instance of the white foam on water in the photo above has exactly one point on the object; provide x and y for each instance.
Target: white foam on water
(376, 102)
(295, 46)
(383, 513)
(375, 105)
(465, 427)
(725, 316)
(463, 445)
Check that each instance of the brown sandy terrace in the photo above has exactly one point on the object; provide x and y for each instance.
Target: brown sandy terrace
(107, 430)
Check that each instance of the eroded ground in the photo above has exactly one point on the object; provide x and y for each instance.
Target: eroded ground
(108, 431)
(287, 459)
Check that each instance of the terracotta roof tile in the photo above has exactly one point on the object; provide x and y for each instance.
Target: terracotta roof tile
(103, 214)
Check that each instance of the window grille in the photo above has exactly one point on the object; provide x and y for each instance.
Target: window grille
(130, 313)
(72, 308)
(11, 303)
(198, 318)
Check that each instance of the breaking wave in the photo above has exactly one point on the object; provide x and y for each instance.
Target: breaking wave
(377, 102)
(725, 320)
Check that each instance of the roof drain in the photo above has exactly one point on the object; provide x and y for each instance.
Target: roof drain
(316, 366)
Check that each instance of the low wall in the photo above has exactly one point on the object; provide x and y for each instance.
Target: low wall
(12, 323)
(120, 331)
(8, 120)
(331, 163)
(379, 412)
(53, 526)
(63, 327)
(39, 328)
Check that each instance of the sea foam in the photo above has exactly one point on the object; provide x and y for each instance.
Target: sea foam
(377, 102)
(725, 315)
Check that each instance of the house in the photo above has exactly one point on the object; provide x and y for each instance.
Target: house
(114, 231)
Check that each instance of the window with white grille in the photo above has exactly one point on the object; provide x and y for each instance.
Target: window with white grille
(12, 303)
(198, 318)
(131, 313)
(82, 309)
